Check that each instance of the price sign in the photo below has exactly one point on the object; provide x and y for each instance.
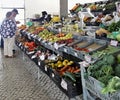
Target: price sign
(46, 68)
(32, 35)
(39, 39)
(65, 50)
(20, 44)
(64, 84)
(60, 30)
(88, 58)
(39, 63)
(31, 52)
(29, 37)
(113, 43)
(75, 54)
(34, 56)
(53, 75)
(35, 36)
(42, 57)
(56, 46)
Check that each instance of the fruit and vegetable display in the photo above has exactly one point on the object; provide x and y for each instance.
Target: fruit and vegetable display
(31, 46)
(22, 27)
(114, 27)
(108, 50)
(42, 48)
(35, 29)
(64, 67)
(52, 37)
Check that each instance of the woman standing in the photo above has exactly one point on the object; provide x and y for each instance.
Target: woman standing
(8, 30)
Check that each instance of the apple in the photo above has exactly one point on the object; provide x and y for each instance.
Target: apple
(118, 37)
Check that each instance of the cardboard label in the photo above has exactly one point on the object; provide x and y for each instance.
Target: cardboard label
(53, 75)
(56, 46)
(113, 43)
(64, 84)
(88, 58)
(75, 54)
(46, 68)
(65, 50)
(39, 63)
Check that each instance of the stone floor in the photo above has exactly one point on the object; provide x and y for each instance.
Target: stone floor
(19, 81)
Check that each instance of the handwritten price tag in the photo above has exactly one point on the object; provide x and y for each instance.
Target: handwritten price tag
(65, 50)
(20, 44)
(56, 46)
(46, 68)
(113, 43)
(88, 58)
(75, 54)
(64, 84)
(39, 63)
(32, 35)
(53, 75)
(39, 39)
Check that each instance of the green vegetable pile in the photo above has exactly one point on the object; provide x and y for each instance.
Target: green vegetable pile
(113, 85)
(107, 71)
(101, 53)
(102, 70)
(114, 27)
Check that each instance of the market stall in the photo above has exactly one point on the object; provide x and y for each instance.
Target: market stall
(78, 63)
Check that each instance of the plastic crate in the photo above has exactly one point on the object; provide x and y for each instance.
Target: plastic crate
(95, 87)
(72, 89)
(101, 45)
(76, 53)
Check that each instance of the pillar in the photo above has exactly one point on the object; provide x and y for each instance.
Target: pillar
(63, 8)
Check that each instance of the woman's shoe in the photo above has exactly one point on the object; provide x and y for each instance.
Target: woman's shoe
(6, 56)
(11, 56)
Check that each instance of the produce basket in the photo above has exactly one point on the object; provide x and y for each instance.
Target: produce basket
(97, 45)
(69, 82)
(97, 88)
(76, 53)
(68, 87)
(73, 89)
(89, 46)
(65, 49)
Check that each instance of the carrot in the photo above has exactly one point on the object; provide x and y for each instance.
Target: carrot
(72, 69)
(64, 68)
(77, 70)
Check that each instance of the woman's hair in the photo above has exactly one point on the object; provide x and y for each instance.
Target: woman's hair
(8, 14)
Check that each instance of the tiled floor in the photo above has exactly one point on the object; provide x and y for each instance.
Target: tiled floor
(18, 81)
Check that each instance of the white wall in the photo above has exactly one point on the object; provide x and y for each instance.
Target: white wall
(51, 6)
(37, 6)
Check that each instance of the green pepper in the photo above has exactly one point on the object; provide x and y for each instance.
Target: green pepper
(70, 76)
